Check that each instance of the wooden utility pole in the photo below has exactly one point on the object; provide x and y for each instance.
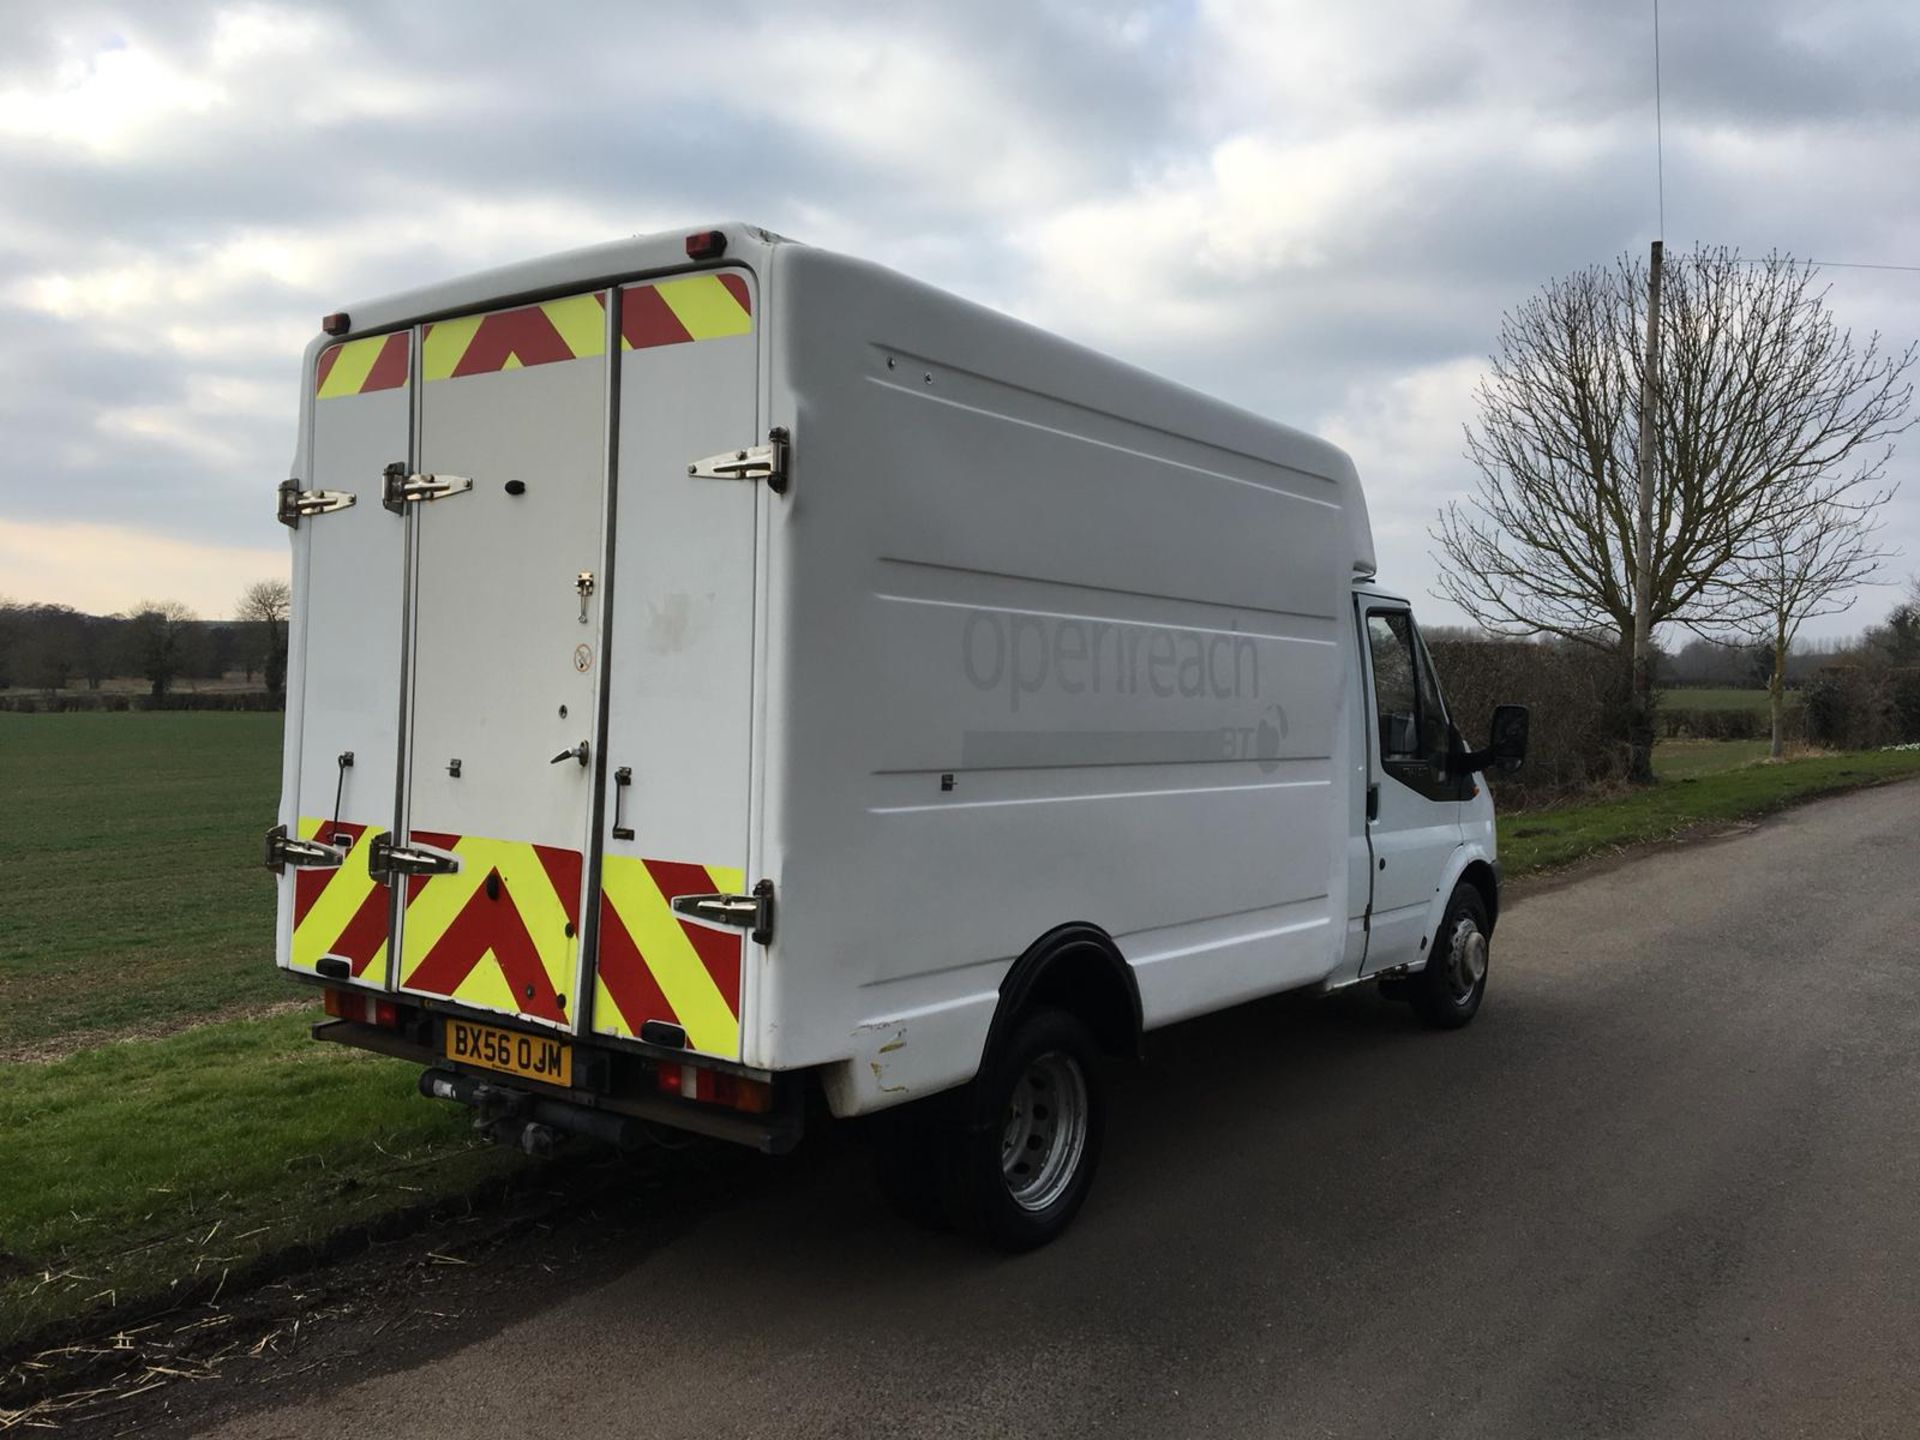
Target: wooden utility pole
(1642, 747)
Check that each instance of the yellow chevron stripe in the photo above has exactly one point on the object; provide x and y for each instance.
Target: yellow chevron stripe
(445, 344)
(582, 323)
(351, 367)
(705, 307)
(656, 932)
(443, 897)
(339, 902)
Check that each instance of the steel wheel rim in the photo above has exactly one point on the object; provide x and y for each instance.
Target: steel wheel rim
(1466, 960)
(1045, 1133)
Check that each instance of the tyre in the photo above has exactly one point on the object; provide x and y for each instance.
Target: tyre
(1022, 1164)
(1447, 994)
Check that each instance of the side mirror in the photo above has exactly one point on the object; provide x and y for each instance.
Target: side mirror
(1507, 736)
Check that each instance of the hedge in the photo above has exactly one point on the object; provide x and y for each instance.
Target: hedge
(42, 703)
(1579, 698)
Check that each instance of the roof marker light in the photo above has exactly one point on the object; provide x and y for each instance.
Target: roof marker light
(706, 245)
(336, 323)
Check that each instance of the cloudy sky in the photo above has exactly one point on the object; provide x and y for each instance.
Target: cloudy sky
(1316, 211)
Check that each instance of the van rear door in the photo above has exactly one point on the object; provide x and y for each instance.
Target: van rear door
(680, 686)
(343, 684)
(507, 503)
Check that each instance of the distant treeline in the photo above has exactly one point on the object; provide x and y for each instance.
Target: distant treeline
(55, 650)
(1735, 664)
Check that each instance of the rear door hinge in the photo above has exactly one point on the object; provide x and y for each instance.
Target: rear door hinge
(400, 487)
(766, 462)
(744, 912)
(295, 502)
(285, 850)
(386, 860)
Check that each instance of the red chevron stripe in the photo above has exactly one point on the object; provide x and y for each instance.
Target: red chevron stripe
(325, 368)
(737, 287)
(366, 932)
(485, 924)
(630, 983)
(525, 334)
(646, 320)
(563, 873)
(389, 370)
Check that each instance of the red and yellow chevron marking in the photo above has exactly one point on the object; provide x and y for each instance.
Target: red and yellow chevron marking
(667, 312)
(341, 912)
(694, 307)
(500, 933)
(656, 966)
(359, 367)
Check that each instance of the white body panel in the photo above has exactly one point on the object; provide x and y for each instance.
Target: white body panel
(1033, 639)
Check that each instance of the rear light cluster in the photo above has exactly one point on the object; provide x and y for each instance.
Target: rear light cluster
(366, 1009)
(716, 1087)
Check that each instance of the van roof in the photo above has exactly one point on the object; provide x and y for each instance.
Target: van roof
(640, 255)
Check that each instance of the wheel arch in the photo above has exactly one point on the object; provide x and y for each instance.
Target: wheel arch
(1484, 876)
(1470, 865)
(1078, 968)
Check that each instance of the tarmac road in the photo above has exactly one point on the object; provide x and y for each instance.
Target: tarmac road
(1667, 1184)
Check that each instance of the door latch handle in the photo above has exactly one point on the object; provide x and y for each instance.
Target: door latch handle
(622, 778)
(578, 752)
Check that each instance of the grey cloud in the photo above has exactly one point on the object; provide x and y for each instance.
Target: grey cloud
(658, 114)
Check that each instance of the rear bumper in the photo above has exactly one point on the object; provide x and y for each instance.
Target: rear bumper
(614, 1102)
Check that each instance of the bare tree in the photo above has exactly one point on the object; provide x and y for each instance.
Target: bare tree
(1804, 563)
(1760, 399)
(267, 603)
(160, 636)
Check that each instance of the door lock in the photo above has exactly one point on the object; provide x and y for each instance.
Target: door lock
(583, 586)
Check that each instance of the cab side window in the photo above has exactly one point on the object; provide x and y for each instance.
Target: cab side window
(1396, 685)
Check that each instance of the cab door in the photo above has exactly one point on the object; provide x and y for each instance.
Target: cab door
(1413, 804)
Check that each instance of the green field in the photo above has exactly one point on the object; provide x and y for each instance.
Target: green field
(1717, 699)
(130, 850)
(134, 904)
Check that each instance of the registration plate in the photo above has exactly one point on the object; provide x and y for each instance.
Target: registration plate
(511, 1052)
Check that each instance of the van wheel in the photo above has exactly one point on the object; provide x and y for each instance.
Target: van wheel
(1038, 1111)
(1448, 992)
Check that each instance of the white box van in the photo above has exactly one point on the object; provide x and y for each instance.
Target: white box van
(727, 676)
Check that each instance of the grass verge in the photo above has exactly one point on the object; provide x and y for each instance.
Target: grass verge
(145, 1172)
(1541, 839)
